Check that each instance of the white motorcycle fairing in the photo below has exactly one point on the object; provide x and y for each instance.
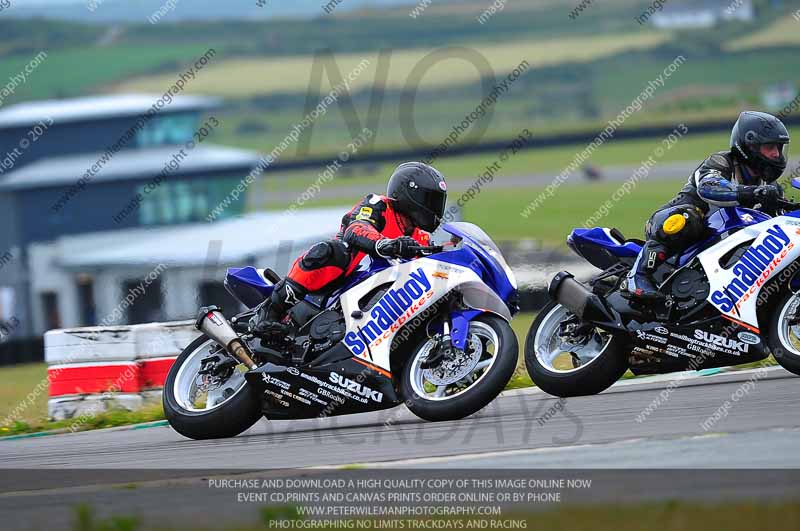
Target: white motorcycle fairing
(734, 290)
(413, 287)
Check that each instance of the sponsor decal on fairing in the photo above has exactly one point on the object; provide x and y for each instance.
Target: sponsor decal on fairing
(392, 311)
(749, 337)
(355, 387)
(721, 341)
(753, 269)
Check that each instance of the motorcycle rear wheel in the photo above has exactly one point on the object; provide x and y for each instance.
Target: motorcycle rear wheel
(552, 366)
(235, 407)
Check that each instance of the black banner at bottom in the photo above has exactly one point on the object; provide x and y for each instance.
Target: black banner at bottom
(394, 499)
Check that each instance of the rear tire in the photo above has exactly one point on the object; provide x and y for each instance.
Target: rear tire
(481, 392)
(589, 379)
(232, 417)
(779, 333)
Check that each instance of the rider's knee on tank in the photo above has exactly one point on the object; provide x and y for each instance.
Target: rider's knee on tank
(327, 253)
(676, 227)
(320, 265)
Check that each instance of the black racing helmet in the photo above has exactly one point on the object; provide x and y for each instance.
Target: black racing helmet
(750, 132)
(419, 192)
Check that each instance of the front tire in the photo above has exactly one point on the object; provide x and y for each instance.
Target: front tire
(562, 372)
(491, 356)
(236, 411)
(783, 338)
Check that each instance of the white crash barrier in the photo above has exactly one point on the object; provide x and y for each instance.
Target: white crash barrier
(92, 369)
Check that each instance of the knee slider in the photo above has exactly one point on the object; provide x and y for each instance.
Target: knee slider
(679, 226)
(323, 254)
(673, 224)
(318, 256)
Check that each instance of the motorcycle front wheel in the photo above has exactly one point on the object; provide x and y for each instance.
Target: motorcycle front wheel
(568, 369)
(202, 406)
(784, 333)
(467, 381)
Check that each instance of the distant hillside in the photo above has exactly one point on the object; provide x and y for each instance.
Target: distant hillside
(129, 11)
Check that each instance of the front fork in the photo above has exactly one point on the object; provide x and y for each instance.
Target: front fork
(459, 326)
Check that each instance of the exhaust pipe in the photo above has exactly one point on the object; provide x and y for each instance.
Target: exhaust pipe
(580, 300)
(212, 323)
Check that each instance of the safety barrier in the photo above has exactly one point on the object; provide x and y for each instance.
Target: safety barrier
(90, 369)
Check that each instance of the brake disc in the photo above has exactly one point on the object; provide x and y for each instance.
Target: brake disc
(456, 364)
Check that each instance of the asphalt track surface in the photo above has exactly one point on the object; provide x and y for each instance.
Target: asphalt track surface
(524, 421)
(520, 429)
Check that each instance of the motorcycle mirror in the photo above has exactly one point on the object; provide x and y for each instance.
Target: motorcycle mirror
(796, 182)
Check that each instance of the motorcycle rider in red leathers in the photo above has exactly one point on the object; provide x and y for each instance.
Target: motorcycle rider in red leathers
(396, 225)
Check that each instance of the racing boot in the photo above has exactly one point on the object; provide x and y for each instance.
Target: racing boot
(273, 318)
(639, 284)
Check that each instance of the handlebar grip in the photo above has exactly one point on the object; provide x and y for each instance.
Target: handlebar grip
(788, 205)
(431, 249)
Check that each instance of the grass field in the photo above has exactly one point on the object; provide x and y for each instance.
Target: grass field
(21, 391)
(498, 211)
(241, 77)
(521, 323)
(782, 32)
(568, 208)
(18, 383)
(581, 73)
(468, 167)
(75, 72)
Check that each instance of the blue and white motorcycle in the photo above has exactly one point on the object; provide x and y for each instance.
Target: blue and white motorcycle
(432, 333)
(733, 298)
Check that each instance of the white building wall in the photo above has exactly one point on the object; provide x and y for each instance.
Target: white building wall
(55, 266)
(46, 275)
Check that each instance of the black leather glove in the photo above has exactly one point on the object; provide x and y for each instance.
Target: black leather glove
(402, 247)
(767, 195)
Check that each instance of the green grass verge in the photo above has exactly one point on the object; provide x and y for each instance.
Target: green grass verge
(23, 395)
(110, 418)
(520, 324)
(18, 392)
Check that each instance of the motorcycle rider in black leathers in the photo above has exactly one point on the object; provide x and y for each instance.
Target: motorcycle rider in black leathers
(743, 176)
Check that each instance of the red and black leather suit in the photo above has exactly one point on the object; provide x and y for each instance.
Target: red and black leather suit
(372, 219)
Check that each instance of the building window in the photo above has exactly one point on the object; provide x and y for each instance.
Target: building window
(7, 304)
(52, 317)
(168, 130)
(216, 294)
(189, 201)
(85, 284)
(148, 307)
